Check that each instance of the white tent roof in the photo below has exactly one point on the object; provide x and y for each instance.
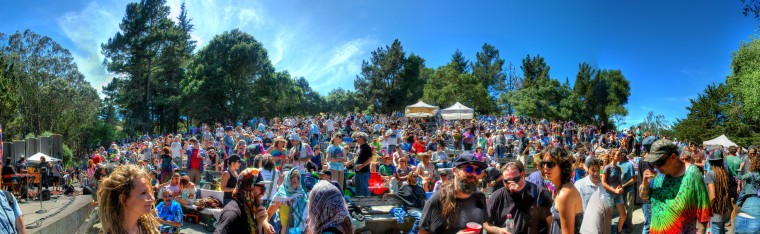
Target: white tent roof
(721, 140)
(36, 158)
(457, 111)
(420, 109)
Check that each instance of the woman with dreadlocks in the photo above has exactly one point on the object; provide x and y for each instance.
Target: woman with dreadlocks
(244, 213)
(717, 181)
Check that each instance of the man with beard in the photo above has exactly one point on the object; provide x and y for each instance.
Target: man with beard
(527, 203)
(458, 202)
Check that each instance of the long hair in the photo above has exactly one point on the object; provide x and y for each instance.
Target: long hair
(721, 204)
(448, 202)
(564, 162)
(111, 202)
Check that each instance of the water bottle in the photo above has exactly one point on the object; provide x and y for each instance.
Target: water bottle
(510, 224)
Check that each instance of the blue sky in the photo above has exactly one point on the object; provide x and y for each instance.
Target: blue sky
(669, 50)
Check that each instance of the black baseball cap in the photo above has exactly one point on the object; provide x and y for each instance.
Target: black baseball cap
(467, 158)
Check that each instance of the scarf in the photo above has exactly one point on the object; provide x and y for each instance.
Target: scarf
(298, 204)
(326, 208)
(244, 196)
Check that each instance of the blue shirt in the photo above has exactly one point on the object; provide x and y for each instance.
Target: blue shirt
(172, 213)
(314, 129)
(9, 213)
(628, 173)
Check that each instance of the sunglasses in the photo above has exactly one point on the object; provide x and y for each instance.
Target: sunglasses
(514, 180)
(661, 162)
(548, 164)
(473, 170)
(168, 196)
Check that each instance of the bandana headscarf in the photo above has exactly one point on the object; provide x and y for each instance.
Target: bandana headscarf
(298, 204)
(245, 197)
(326, 207)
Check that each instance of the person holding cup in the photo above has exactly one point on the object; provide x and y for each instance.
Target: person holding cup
(458, 207)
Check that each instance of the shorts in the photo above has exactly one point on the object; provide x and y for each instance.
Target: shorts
(55, 179)
(612, 199)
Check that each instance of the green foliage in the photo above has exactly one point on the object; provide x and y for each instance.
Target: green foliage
(223, 75)
(654, 124)
(388, 81)
(149, 55)
(744, 81)
(452, 83)
(68, 155)
(341, 101)
(43, 89)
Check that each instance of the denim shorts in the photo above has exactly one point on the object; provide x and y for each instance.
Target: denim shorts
(746, 224)
(612, 199)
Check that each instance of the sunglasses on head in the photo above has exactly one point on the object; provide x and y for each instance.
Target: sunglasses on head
(548, 164)
(473, 170)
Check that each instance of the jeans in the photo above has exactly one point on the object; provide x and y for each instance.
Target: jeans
(500, 151)
(416, 214)
(362, 184)
(646, 208)
(746, 224)
(717, 228)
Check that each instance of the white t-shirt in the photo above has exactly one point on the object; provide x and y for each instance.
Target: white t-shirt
(176, 147)
(330, 125)
(393, 136)
(271, 188)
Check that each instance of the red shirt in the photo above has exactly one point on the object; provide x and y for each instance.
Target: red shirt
(419, 147)
(96, 159)
(195, 160)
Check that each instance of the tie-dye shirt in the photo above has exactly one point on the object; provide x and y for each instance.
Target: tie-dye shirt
(678, 203)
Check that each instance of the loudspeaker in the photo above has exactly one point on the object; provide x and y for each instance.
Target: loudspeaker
(56, 143)
(45, 195)
(19, 149)
(31, 147)
(44, 146)
(8, 151)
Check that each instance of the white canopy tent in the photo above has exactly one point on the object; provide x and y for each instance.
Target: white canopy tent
(420, 109)
(457, 111)
(36, 158)
(721, 140)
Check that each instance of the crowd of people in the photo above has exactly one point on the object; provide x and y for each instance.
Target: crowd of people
(498, 174)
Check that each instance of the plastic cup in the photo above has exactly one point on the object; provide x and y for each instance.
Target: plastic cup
(474, 227)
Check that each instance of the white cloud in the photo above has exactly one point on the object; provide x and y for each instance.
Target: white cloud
(323, 55)
(87, 29)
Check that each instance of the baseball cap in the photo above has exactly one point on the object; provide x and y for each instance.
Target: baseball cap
(467, 158)
(326, 172)
(661, 148)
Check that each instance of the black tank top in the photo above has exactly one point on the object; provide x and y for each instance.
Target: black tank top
(231, 183)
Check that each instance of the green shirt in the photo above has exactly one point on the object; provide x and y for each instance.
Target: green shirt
(678, 203)
(733, 164)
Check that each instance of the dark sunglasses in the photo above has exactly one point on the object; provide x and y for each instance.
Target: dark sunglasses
(168, 196)
(548, 164)
(473, 169)
(515, 180)
(661, 162)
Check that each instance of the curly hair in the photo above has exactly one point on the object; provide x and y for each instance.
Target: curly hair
(111, 206)
(564, 161)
